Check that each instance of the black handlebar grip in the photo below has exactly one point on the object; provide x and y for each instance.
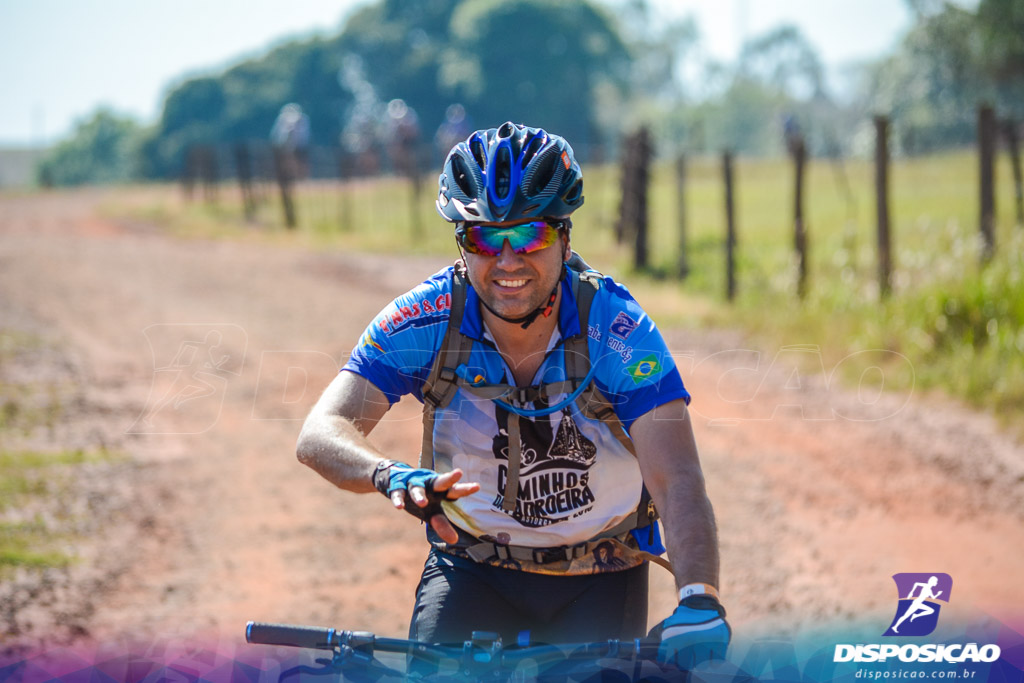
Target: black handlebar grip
(315, 637)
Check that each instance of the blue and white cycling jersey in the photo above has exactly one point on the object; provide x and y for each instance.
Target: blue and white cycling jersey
(576, 479)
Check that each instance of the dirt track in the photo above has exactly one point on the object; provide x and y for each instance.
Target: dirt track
(211, 521)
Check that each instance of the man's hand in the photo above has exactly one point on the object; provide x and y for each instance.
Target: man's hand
(420, 492)
(696, 632)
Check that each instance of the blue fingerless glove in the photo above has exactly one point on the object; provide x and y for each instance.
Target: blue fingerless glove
(696, 632)
(391, 476)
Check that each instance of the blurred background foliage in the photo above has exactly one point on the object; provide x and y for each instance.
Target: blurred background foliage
(585, 70)
(594, 72)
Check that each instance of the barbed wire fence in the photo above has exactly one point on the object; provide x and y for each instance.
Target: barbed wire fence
(328, 187)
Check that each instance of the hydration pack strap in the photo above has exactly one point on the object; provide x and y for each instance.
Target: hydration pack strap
(515, 454)
(592, 403)
(441, 384)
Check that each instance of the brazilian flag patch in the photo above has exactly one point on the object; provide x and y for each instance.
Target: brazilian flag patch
(644, 369)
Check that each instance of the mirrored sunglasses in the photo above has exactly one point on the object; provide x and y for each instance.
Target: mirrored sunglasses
(524, 238)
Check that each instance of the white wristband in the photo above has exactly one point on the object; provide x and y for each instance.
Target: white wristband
(698, 589)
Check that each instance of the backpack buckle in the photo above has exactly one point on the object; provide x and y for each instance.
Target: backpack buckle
(522, 395)
(446, 379)
(543, 555)
(563, 553)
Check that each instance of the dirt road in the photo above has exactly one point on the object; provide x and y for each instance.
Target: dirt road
(197, 361)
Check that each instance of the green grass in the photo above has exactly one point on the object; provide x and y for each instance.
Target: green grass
(24, 544)
(35, 486)
(25, 406)
(958, 323)
(30, 532)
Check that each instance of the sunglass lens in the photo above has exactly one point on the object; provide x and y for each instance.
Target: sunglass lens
(489, 240)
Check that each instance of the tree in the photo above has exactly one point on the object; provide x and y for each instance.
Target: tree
(745, 118)
(102, 149)
(951, 61)
(1001, 25)
(399, 45)
(657, 95)
(242, 103)
(784, 61)
(779, 78)
(429, 53)
(534, 61)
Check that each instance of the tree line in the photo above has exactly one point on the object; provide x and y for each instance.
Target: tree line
(577, 68)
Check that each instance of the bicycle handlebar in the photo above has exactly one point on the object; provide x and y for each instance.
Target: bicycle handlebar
(313, 637)
(482, 648)
(320, 638)
(481, 657)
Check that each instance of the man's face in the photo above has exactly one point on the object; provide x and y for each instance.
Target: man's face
(512, 284)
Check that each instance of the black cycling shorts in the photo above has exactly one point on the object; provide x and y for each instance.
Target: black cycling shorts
(457, 596)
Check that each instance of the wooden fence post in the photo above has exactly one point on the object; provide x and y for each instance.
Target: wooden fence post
(243, 164)
(1012, 134)
(799, 229)
(209, 173)
(284, 172)
(683, 266)
(627, 190)
(882, 204)
(986, 176)
(190, 172)
(643, 174)
(632, 221)
(730, 229)
(345, 163)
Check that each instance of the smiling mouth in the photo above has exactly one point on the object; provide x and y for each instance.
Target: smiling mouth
(512, 284)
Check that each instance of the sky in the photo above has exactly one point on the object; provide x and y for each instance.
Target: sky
(61, 59)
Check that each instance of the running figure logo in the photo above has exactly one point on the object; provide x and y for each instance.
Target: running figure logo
(918, 611)
(192, 365)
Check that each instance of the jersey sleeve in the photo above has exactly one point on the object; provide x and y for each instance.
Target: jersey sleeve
(634, 368)
(397, 349)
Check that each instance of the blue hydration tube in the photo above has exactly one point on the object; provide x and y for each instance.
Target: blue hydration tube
(463, 372)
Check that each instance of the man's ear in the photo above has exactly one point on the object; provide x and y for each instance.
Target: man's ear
(567, 251)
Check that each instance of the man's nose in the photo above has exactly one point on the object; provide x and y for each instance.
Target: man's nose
(508, 257)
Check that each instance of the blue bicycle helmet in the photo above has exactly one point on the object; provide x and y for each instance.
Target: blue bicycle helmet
(509, 173)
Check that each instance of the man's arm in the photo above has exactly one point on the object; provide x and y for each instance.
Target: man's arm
(696, 631)
(333, 439)
(333, 443)
(667, 453)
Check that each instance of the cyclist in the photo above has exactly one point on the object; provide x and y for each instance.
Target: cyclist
(553, 413)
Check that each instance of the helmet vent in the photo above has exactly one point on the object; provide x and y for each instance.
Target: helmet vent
(502, 172)
(462, 176)
(544, 170)
(532, 147)
(506, 130)
(575, 191)
(479, 153)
